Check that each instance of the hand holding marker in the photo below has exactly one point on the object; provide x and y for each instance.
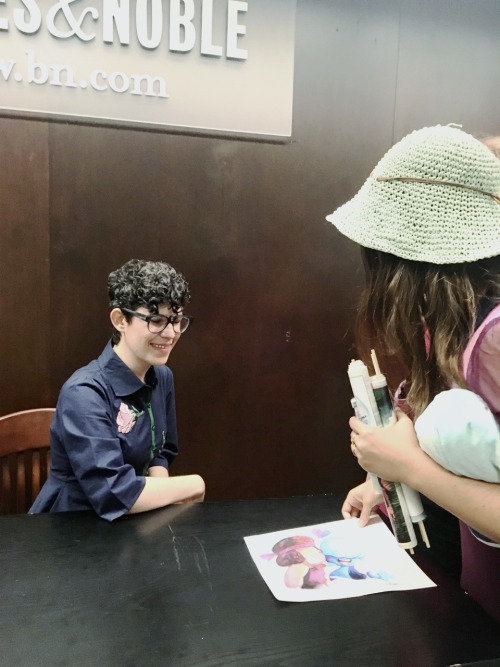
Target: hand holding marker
(373, 405)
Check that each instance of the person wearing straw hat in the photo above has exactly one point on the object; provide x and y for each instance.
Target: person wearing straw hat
(428, 223)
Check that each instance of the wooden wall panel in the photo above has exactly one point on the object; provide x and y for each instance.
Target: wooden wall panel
(262, 389)
(24, 266)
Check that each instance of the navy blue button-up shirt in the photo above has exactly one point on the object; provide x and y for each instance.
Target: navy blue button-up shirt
(108, 429)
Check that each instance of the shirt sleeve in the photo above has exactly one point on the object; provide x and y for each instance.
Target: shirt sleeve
(90, 438)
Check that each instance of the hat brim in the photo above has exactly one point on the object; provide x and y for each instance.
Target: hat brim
(401, 218)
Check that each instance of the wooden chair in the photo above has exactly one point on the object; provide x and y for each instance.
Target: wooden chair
(24, 458)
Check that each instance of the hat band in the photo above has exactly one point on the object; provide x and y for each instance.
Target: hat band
(410, 179)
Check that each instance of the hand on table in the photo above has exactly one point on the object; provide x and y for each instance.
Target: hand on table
(360, 501)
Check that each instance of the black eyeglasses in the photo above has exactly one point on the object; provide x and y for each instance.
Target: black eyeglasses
(158, 323)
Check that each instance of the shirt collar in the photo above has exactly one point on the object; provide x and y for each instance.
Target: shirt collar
(120, 377)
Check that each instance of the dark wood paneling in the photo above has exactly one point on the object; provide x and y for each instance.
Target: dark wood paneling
(262, 390)
(24, 266)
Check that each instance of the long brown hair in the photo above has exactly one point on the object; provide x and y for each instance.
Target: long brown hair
(422, 315)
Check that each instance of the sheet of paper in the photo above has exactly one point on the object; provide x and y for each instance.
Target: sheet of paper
(334, 560)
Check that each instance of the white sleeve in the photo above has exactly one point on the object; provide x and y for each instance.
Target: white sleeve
(458, 431)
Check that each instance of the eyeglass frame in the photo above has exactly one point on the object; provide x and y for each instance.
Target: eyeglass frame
(169, 319)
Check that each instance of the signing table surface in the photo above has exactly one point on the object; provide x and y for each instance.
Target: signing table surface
(178, 587)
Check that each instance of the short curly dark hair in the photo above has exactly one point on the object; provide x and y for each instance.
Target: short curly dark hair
(150, 284)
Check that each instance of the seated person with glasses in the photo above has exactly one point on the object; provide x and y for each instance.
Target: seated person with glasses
(114, 433)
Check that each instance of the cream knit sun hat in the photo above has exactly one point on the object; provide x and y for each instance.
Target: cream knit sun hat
(433, 197)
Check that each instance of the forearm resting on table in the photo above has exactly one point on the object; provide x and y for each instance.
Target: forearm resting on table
(475, 502)
(161, 491)
(158, 471)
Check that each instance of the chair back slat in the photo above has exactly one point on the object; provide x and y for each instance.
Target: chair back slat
(5, 486)
(20, 481)
(35, 471)
(24, 458)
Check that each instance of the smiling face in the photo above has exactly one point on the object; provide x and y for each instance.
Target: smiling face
(138, 347)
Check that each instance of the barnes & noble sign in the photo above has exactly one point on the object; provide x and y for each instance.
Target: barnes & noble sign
(202, 65)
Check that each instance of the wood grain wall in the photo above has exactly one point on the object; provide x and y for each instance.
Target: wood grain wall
(262, 391)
